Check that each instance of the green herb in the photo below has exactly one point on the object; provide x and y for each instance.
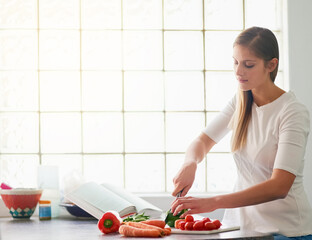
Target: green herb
(170, 219)
(136, 218)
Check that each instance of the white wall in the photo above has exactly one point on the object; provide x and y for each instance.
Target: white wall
(300, 67)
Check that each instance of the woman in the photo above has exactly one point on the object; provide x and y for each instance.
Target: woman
(270, 131)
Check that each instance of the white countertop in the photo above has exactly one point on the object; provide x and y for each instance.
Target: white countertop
(77, 229)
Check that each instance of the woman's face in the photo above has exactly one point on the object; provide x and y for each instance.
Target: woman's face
(250, 71)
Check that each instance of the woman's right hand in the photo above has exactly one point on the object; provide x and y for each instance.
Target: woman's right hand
(184, 178)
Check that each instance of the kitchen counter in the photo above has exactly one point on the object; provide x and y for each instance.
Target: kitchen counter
(81, 229)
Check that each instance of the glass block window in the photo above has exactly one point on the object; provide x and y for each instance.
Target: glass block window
(117, 90)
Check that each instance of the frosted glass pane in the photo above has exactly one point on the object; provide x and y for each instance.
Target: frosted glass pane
(142, 50)
(99, 14)
(271, 9)
(144, 91)
(18, 14)
(184, 91)
(19, 49)
(224, 14)
(183, 14)
(101, 91)
(59, 49)
(102, 132)
(224, 145)
(60, 132)
(182, 129)
(145, 173)
(19, 91)
(174, 162)
(219, 50)
(19, 170)
(221, 172)
(68, 166)
(59, 91)
(142, 14)
(220, 88)
(59, 14)
(104, 168)
(144, 132)
(184, 50)
(101, 50)
(19, 133)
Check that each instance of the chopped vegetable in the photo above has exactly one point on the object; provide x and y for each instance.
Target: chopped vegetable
(110, 222)
(170, 219)
(136, 218)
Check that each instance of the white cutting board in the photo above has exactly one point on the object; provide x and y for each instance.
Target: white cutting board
(221, 229)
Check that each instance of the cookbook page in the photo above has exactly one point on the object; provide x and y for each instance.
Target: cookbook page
(100, 197)
(140, 204)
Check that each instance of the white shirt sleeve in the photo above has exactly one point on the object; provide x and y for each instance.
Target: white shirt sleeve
(293, 136)
(218, 127)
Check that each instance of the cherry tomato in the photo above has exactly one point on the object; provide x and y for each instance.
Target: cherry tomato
(182, 225)
(210, 226)
(217, 223)
(206, 219)
(189, 218)
(189, 225)
(199, 225)
(177, 222)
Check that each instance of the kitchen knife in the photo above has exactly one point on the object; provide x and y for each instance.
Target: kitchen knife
(169, 211)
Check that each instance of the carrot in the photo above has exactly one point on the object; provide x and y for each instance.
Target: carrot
(143, 225)
(155, 222)
(163, 231)
(130, 231)
(167, 231)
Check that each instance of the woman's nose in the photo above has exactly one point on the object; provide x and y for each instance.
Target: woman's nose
(239, 70)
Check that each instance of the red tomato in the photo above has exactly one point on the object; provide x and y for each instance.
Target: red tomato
(199, 225)
(182, 225)
(189, 225)
(177, 222)
(210, 226)
(217, 223)
(206, 219)
(189, 218)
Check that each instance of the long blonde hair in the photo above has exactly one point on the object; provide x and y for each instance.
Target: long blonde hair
(263, 43)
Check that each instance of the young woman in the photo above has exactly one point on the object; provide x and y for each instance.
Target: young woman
(270, 131)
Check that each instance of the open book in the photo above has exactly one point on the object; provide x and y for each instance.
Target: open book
(97, 199)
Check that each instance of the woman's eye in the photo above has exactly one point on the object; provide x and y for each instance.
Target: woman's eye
(250, 66)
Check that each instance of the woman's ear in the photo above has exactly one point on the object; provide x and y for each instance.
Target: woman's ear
(272, 64)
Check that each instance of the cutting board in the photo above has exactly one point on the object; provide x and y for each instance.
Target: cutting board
(221, 229)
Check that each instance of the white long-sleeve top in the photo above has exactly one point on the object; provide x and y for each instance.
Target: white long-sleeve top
(276, 139)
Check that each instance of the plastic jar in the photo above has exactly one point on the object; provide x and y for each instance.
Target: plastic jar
(44, 210)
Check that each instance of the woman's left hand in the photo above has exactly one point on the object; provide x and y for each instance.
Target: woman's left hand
(195, 205)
